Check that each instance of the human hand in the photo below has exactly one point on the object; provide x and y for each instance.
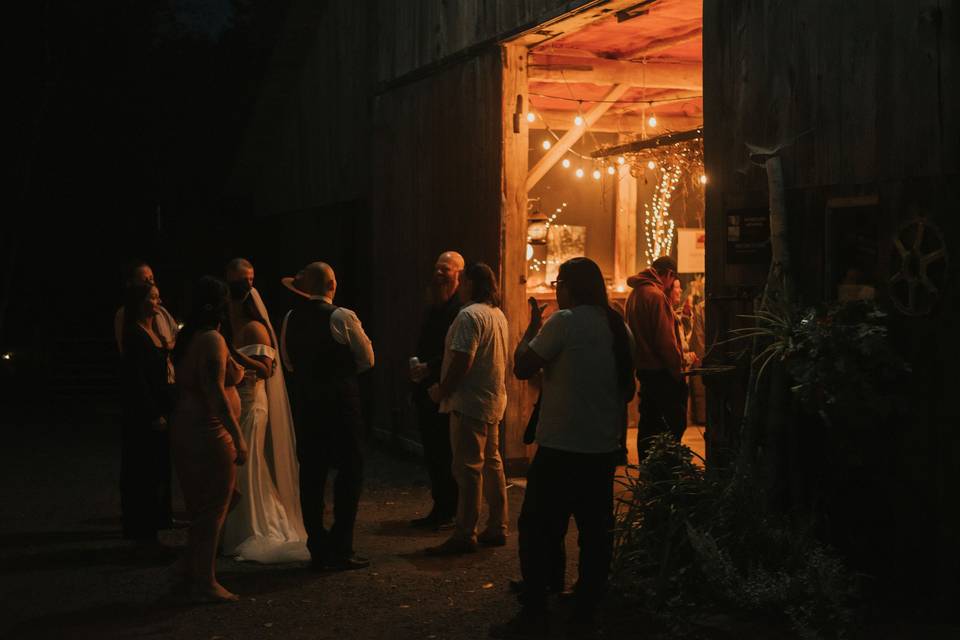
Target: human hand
(242, 453)
(434, 392)
(536, 314)
(419, 371)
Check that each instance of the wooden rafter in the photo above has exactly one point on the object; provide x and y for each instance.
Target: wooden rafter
(615, 123)
(663, 44)
(570, 138)
(686, 76)
(650, 143)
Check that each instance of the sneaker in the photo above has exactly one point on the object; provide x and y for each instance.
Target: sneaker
(492, 538)
(528, 623)
(452, 547)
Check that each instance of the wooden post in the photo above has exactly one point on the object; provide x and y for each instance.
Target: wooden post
(625, 231)
(513, 244)
(570, 138)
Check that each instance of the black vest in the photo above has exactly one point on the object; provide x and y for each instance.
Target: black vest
(324, 371)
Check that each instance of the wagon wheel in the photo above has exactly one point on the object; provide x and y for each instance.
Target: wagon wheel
(920, 259)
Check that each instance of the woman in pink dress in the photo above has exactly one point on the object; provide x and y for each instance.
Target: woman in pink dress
(205, 435)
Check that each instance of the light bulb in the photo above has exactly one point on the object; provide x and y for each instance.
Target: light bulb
(531, 117)
(546, 144)
(703, 179)
(596, 174)
(579, 173)
(620, 160)
(566, 163)
(564, 204)
(611, 170)
(529, 251)
(578, 120)
(652, 121)
(651, 165)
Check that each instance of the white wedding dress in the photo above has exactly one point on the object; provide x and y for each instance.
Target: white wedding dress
(266, 525)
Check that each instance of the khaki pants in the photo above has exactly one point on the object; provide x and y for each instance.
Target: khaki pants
(478, 470)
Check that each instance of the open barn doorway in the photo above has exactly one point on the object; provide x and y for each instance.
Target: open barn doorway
(605, 104)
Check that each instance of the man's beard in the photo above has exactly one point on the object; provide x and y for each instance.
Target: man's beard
(441, 292)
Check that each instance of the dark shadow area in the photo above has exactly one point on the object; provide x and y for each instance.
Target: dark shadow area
(114, 620)
(139, 556)
(446, 564)
(266, 579)
(402, 529)
(47, 538)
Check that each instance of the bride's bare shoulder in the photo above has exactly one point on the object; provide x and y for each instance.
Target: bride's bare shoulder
(254, 332)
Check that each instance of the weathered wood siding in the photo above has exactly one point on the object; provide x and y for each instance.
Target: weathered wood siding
(308, 143)
(873, 83)
(436, 187)
(413, 34)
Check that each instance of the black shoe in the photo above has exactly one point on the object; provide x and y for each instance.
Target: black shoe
(444, 523)
(345, 563)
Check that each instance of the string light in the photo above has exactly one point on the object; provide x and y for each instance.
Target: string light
(566, 163)
(578, 120)
(530, 116)
(596, 174)
(579, 173)
(658, 225)
(546, 144)
(703, 179)
(652, 121)
(651, 165)
(611, 170)
(621, 159)
(529, 251)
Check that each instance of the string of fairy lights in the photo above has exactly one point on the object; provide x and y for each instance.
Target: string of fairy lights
(671, 166)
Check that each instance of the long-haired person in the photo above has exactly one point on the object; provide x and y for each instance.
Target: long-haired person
(205, 433)
(584, 350)
(145, 463)
(472, 390)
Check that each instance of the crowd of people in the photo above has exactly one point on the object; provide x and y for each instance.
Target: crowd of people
(212, 397)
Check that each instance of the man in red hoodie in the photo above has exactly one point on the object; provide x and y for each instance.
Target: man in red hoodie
(658, 358)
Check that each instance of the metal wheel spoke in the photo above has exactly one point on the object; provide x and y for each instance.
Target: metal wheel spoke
(902, 250)
(897, 277)
(928, 285)
(933, 257)
(918, 239)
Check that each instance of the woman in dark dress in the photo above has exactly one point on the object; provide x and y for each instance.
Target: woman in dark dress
(145, 466)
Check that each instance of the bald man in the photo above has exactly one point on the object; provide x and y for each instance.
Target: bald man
(325, 347)
(435, 426)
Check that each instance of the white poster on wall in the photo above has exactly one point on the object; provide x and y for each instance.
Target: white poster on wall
(691, 250)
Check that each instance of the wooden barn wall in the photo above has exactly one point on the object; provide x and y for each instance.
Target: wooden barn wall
(872, 87)
(308, 143)
(436, 186)
(417, 33)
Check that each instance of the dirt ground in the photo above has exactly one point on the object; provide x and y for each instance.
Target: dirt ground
(65, 572)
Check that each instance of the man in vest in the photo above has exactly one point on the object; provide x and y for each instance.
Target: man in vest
(325, 347)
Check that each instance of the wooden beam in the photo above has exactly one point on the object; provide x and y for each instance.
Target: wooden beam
(625, 231)
(513, 236)
(686, 76)
(662, 44)
(650, 143)
(572, 20)
(568, 139)
(615, 123)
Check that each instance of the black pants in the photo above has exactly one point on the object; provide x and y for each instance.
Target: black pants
(663, 408)
(145, 496)
(437, 457)
(317, 459)
(561, 484)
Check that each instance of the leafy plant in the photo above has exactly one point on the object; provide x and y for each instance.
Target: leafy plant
(687, 539)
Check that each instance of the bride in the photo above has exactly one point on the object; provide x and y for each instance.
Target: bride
(266, 525)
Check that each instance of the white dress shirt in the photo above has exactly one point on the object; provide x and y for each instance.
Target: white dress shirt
(345, 328)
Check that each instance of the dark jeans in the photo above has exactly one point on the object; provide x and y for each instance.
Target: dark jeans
(561, 484)
(437, 457)
(663, 408)
(315, 464)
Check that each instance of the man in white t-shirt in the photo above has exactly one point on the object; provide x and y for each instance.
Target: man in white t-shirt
(472, 390)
